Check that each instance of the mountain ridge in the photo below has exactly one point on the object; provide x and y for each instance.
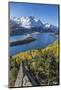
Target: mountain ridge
(30, 23)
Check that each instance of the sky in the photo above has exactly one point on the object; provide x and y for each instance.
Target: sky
(46, 13)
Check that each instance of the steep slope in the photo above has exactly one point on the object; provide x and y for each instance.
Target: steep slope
(43, 64)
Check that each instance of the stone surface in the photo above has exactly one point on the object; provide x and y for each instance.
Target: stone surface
(22, 78)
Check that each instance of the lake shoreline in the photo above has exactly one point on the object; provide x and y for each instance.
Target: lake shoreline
(37, 49)
(33, 41)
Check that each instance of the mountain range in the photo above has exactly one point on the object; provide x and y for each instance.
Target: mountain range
(29, 24)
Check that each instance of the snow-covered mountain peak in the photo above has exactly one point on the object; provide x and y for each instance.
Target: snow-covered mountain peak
(28, 21)
(47, 25)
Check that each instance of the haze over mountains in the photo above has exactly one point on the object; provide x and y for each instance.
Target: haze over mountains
(29, 24)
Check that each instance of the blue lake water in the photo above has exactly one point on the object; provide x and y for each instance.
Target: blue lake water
(42, 40)
(19, 37)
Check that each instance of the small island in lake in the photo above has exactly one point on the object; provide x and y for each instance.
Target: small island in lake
(20, 42)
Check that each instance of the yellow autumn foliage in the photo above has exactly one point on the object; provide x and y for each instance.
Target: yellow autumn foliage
(24, 56)
(17, 60)
(35, 53)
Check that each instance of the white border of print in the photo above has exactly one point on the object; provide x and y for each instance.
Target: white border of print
(4, 44)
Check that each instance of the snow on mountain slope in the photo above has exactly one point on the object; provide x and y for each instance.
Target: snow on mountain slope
(50, 27)
(28, 22)
(46, 25)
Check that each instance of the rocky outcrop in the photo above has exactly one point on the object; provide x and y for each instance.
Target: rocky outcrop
(25, 77)
(22, 79)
